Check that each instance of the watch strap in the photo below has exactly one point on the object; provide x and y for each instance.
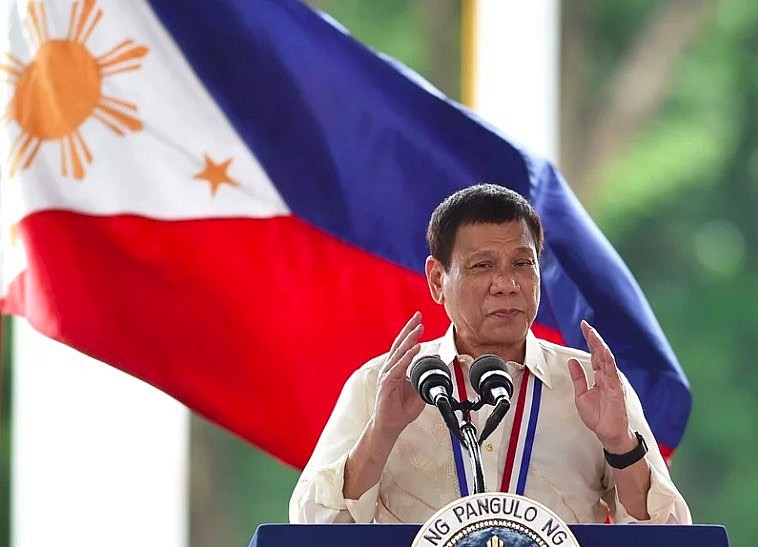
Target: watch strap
(620, 461)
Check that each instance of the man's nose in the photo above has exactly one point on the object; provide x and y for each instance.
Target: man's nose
(505, 282)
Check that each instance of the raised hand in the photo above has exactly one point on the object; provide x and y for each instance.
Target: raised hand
(397, 403)
(602, 406)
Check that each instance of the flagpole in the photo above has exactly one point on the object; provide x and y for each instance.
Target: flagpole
(96, 453)
(510, 68)
(468, 51)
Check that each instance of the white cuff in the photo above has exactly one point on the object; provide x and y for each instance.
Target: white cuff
(328, 492)
(662, 501)
(364, 508)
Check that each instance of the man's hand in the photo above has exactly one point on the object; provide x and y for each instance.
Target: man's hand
(397, 403)
(601, 406)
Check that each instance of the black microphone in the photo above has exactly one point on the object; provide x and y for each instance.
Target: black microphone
(490, 379)
(430, 377)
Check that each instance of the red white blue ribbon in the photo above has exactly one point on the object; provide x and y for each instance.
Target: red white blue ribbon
(520, 444)
(462, 467)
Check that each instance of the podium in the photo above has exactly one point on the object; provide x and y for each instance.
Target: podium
(401, 535)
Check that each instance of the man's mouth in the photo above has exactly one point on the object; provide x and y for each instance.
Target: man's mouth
(505, 313)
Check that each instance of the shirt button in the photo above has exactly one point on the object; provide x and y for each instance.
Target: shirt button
(489, 447)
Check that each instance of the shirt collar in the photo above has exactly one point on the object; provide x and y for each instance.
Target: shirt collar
(447, 350)
(535, 358)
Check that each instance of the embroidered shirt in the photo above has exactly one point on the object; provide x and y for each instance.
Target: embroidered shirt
(566, 470)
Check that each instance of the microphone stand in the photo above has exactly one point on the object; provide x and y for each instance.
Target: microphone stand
(470, 442)
(475, 456)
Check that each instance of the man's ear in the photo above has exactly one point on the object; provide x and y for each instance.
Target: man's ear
(434, 273)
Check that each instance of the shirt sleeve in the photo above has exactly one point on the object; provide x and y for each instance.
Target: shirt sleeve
(664, 502)
(317, 497)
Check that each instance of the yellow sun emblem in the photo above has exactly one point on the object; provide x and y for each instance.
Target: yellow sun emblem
(62, 87)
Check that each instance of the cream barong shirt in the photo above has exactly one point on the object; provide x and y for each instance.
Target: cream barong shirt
(567, 471)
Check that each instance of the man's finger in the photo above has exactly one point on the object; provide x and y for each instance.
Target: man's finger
(408, 342)
(412, 323)
(602, 358)
(605, 359)
(400, 369)
(610, 370)
(410, 339)
(601, 355)
(578, 377)
(592, 343)
(591, 336)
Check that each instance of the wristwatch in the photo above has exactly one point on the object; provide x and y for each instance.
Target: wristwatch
(620, 461)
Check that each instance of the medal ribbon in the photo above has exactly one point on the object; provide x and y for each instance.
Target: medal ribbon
(520, 443)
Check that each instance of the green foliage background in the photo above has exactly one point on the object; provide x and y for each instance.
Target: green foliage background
(681, 209)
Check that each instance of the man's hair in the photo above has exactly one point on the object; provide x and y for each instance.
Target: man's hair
(482, 203)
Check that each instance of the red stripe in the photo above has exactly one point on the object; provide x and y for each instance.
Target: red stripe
(254, 323)
(462, 395)
(508, 470)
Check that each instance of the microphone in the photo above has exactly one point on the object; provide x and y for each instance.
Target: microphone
(490, 379)
(430, 377)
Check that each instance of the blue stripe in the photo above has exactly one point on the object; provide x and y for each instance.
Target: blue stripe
(530, 431)
(459, 467)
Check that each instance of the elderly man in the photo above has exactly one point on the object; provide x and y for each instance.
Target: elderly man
(576, 440)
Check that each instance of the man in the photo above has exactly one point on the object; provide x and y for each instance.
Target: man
(581, 447)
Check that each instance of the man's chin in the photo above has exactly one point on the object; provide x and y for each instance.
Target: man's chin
(505, 335)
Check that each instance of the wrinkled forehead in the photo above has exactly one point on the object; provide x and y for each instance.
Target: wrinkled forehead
(513, 235)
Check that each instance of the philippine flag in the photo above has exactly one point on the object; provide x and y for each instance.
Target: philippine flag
(228, 200)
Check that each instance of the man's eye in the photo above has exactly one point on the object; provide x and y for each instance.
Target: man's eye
(482, 265)
(527, 262)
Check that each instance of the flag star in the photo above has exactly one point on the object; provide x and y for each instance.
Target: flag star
(215, 174)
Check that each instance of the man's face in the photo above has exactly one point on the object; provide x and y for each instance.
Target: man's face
(491, 290)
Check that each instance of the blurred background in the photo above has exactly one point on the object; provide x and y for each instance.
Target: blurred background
(659, 140)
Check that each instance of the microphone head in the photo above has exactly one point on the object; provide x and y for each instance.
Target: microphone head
(427, 373)
(488, 372)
